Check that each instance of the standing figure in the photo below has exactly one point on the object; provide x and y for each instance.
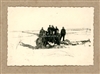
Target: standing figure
(56, 30)
(63, 33)
(52, 29)
(42, 31)
(49, 33)
(49, 29)
(57, 38)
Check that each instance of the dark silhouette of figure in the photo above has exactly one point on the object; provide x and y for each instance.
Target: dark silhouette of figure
(57, 38)
(44, 39)
(56, 30)
(42, 31)
(49, 30)
(52, 29)
(63, 33)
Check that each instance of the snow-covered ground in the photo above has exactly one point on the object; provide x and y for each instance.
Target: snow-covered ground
(69, 55)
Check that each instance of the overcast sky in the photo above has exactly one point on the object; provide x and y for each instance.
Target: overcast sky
(33, 18)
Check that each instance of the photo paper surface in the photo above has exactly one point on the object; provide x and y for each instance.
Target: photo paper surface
(39, 36)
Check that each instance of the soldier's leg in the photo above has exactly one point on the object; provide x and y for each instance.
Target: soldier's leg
(63, 37)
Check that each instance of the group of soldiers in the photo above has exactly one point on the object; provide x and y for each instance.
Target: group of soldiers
(52, 35)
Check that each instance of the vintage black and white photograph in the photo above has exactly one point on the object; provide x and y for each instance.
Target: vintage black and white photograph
(50, 36)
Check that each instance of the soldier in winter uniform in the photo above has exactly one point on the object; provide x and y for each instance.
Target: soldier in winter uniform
(42, 31)
(56, 30)
(63, 33)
